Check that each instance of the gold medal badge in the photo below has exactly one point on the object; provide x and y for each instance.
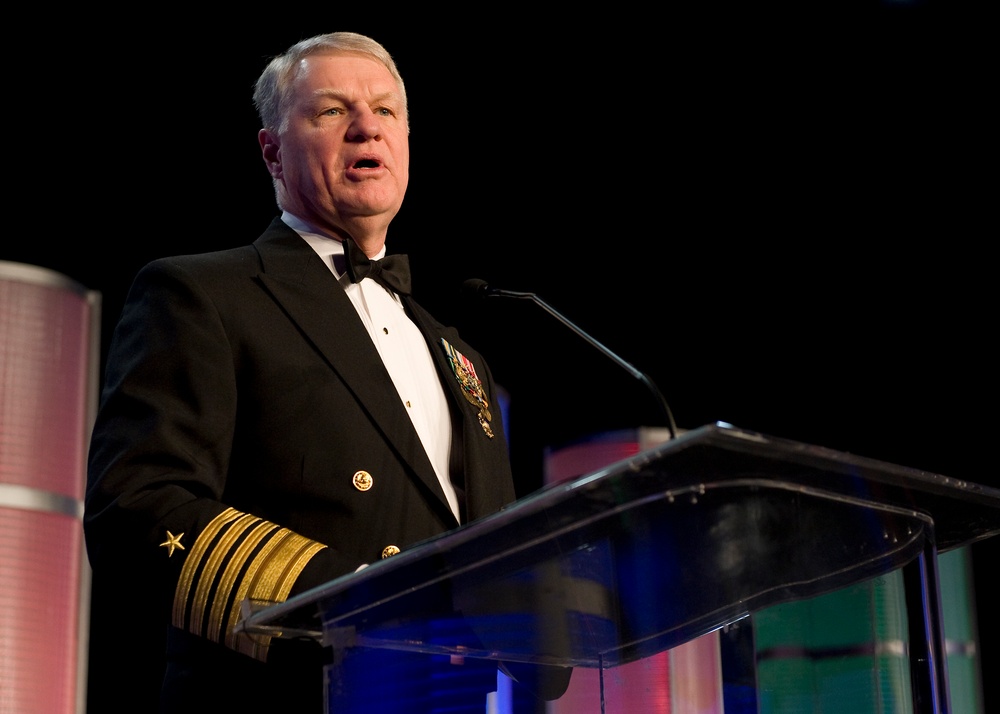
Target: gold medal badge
(472, 388)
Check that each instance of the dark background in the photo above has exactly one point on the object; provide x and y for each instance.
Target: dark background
(780, 214)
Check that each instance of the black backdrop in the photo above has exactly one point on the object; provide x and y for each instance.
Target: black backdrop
(774, 213)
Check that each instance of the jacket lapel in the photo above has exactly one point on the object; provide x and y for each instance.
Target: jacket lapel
(311, 297)
(474, 420)
(433, 332)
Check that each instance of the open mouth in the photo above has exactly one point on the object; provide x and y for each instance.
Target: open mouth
(366, 164)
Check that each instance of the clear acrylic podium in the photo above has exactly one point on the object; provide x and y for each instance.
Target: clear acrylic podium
(652, 552)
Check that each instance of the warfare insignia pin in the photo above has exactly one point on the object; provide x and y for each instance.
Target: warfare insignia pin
(472, 388)
(172, 543)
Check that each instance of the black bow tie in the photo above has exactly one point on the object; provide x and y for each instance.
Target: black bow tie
(393, 271)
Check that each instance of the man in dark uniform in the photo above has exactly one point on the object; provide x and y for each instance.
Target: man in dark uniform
(271, 418)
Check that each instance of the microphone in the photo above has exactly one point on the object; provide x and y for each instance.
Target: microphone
(480, 289)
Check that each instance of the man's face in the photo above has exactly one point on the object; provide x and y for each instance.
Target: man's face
(342, 154)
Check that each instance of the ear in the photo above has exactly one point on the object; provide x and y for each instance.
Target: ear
(270, 147)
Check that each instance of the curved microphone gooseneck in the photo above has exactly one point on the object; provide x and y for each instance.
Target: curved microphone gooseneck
(480, 289)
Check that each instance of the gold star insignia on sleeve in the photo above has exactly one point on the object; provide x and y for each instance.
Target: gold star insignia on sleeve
(172, 543)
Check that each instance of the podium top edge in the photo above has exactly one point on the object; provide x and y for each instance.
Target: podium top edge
(956, 512)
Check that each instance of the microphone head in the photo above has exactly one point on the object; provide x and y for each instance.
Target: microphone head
(475, 288)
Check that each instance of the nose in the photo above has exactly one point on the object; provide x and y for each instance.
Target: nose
(364, 125)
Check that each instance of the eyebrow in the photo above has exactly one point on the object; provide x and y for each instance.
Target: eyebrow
(335, 94)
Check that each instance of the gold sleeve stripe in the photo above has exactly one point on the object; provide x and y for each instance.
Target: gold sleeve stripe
(270, 579)
(193, 561)
(257, 646)
(237, 557)
(221, 553)
(306, 549)
(273, 575)
(227, 583)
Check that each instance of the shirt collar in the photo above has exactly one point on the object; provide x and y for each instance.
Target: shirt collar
(323, 244)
